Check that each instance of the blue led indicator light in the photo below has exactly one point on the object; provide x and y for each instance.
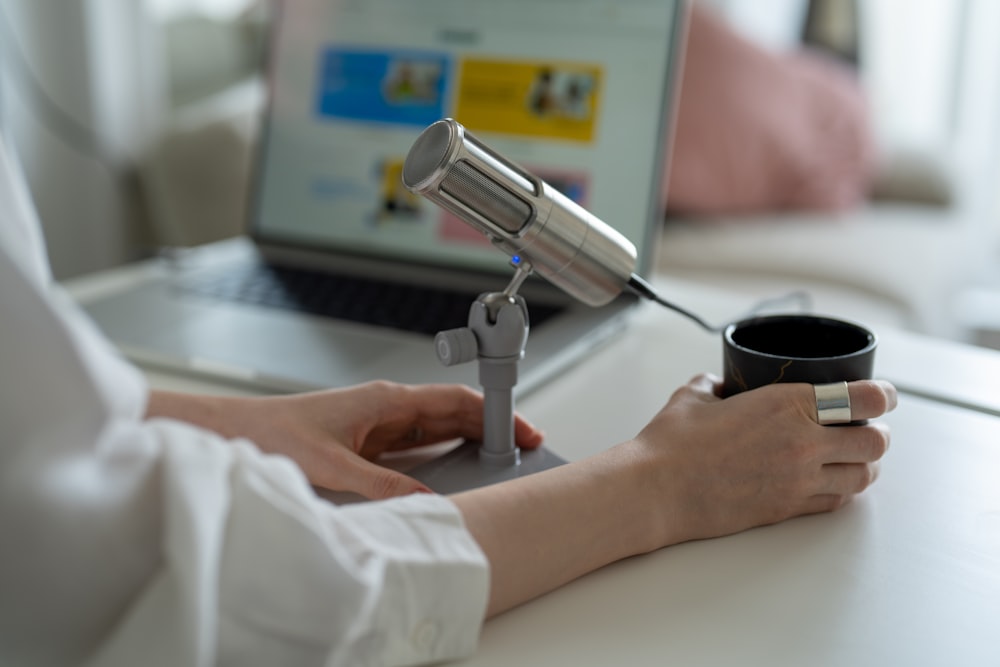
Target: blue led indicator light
(516, 259)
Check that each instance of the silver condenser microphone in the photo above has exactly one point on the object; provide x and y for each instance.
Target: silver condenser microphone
(521, 214)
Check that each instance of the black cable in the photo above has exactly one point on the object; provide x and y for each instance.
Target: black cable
(640, 287)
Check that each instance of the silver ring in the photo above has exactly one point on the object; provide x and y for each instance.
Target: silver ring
(833, 403)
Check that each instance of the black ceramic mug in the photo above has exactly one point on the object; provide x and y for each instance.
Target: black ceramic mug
(795, 348)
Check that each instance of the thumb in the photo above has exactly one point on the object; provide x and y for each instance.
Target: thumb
(376, 482)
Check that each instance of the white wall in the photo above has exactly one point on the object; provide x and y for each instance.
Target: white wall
(79, 104)
(776, 24)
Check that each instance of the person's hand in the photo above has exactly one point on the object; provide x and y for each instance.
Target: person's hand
(759, 457)
(703, 467)
(337, 435)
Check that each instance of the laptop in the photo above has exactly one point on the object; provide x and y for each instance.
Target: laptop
(343, 275)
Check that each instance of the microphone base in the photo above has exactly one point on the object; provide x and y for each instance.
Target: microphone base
(461, 468)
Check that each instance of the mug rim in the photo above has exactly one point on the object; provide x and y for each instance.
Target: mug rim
(749, 321)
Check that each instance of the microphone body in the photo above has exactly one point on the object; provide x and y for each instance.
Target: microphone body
(521, 214)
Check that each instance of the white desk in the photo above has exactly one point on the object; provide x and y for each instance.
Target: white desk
(909, 574)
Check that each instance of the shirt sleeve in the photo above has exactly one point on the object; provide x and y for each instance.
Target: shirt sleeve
(129, 542)
(258, 570)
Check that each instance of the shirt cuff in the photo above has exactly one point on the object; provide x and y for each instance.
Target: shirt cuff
(437, 591)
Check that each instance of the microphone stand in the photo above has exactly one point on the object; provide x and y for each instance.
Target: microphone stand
(496, 335)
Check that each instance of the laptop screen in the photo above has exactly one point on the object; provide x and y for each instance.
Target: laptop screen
(576, 91)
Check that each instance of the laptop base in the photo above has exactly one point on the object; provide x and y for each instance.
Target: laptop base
(461, 469)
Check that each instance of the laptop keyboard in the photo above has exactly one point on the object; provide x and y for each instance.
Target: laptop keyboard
(365, 300)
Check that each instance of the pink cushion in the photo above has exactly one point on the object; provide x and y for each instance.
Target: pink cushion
(759, 131)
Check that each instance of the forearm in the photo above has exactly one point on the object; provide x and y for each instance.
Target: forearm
(542, 531)
(702, 468)
(207, 411)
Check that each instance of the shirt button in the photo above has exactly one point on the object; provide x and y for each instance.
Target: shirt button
(424, 635)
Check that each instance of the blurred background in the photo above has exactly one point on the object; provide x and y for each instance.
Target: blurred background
(136, 120)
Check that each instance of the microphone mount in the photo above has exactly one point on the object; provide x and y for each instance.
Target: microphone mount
(496, 335)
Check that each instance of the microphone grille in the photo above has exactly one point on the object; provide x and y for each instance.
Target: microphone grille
(451, 168)
(490, 199)
(427, 153)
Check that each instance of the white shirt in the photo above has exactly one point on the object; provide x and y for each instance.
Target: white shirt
(130, 542)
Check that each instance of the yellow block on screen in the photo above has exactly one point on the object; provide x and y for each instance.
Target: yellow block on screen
(551, 100)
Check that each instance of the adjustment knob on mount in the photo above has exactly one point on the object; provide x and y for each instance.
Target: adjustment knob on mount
(456, 346)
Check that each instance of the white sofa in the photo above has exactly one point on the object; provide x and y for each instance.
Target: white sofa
(886, 263)
(902, 255)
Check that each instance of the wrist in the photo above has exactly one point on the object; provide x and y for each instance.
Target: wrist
(650, 489)
(637, 497)
(205, 411)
